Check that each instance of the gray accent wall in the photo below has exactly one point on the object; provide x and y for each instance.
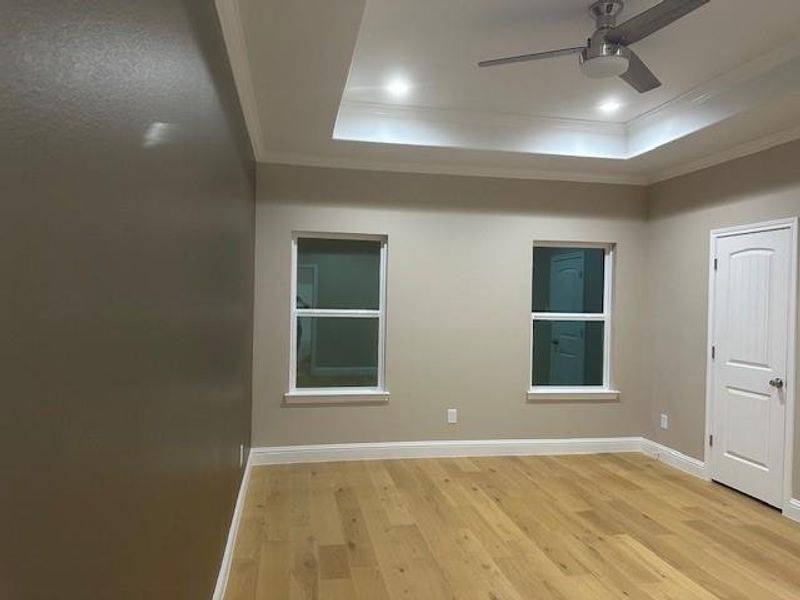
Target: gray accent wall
(126, 264)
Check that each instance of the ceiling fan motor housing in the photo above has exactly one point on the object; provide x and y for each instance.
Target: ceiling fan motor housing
(605, 12)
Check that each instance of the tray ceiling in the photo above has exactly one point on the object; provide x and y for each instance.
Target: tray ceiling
(394, 85)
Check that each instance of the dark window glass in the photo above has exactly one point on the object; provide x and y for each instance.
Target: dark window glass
(568, 280)
(337, 352)
(568, 353)
(338, 274)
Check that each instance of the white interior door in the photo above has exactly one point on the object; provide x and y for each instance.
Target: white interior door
(751, 345)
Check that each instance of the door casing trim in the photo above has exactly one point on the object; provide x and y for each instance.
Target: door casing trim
(791, 358)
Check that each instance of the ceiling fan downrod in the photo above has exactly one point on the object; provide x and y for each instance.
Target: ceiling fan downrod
(605, 12)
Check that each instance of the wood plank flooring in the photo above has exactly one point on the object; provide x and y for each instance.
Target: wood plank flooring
(612, 526)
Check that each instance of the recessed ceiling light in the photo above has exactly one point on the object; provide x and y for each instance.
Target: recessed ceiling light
(398, 87)
(609, 106)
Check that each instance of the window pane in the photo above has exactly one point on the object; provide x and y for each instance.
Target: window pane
(337, 352)
(338, 273)
(568, 353)
(568, 280)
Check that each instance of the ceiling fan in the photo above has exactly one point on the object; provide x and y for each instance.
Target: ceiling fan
(606, 53)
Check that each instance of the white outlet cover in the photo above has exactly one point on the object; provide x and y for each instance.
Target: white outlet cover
(452, 416)
(664, 421)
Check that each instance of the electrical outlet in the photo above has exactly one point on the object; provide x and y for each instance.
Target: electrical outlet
(452, 416)
(664, 421)
(241, 455)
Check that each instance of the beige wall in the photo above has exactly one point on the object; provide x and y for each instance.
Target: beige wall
(458, 301)
(682, 212)
(460, 339)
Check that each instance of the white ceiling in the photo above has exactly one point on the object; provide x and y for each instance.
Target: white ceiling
(312, 78)
(437, 44)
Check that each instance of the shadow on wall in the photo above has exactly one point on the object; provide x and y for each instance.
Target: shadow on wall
(208, 39)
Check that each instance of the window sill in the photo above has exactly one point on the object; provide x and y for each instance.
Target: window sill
(335, 397)
(556, 394)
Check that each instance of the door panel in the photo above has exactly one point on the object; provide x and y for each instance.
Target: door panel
(751, 296)
(748, 292)
(747, 421)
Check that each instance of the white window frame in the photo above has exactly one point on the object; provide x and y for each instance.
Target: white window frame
(604, 392)
(338, 395)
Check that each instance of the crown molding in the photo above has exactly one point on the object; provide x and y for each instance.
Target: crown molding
(476, 117)
(771, 75)
(705, 91)
(232, 31)
(432, 168)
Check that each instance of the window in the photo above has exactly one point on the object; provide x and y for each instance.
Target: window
(337, 318)
(571, 322)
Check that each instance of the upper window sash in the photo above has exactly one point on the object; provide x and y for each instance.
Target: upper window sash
(338, 273)
(568, 280)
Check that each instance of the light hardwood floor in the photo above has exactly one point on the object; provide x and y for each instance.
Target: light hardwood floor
(613, 526)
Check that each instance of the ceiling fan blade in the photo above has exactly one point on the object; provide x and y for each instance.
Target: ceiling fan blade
(526, 57)
(638, 75)
(651, 20)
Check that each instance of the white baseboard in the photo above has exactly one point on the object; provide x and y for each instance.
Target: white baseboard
(227, 556)
(278, 455)
(676, 459)
(792, 510)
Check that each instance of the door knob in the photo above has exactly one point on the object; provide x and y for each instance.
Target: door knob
(776, 383)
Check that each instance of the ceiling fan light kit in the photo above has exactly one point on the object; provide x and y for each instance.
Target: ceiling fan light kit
(607, 52)
(610, 61)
